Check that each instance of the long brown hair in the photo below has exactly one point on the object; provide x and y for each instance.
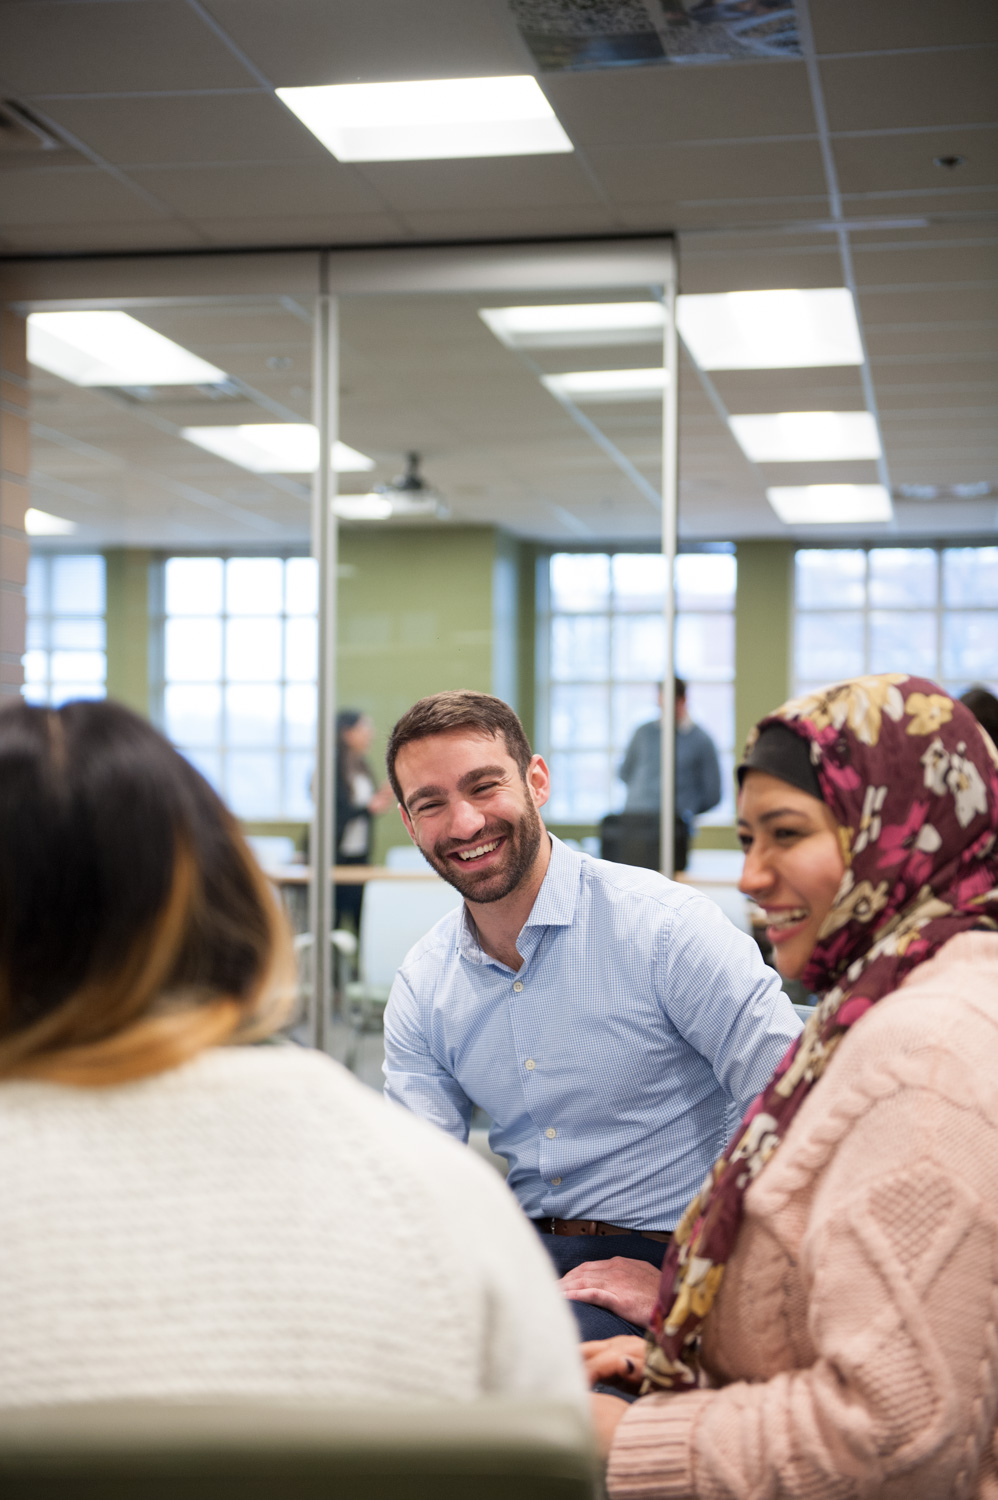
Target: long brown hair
(136, 928)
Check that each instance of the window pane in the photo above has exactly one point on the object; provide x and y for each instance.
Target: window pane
(193, 715)
(301, 650)
(253, 715)
(301, 586)
(580, 648)
(253, 650)
(193, 650)
(903, 641)
(639, 646)
(829, 577)
(829, 647)
(580, 787)
(208, 762)
(902, 576)
(254, 585)
(38, 588)
(705, 646)
(633, 704)
(712, 706)
(83, 634)
(580, 581)
(300, 715)
(77, 585)
(579, 717)
(638, 581)
(299, 769)
(194, 585)
(970, 576)
(36, 666)
(970, 644)
(35, 634)
(79, 666)
(69, 692)
(705, 580)
(724, 812)
(35, 692)
(253, 783)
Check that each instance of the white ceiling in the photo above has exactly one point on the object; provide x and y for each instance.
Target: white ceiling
(780, 173)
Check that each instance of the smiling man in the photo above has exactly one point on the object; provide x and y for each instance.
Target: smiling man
(610, 1021)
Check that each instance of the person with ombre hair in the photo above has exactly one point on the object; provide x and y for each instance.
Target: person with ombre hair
(186, 1214)
(826, 1323)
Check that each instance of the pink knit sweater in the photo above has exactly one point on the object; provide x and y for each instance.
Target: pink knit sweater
(853, 1348)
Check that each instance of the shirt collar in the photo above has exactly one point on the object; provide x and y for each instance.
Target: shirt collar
(554, 905)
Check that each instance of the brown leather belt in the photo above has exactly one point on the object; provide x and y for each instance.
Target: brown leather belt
(596, 1226)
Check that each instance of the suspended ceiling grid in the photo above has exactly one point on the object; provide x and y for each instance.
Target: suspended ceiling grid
(172, 138)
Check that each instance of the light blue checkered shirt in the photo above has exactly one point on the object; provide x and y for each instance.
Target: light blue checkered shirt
(612, 1062)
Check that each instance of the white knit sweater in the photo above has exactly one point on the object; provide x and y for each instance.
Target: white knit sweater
(257, 1223)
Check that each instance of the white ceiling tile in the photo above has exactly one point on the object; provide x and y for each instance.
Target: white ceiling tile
(234, 192)
(188, 128)
(898, 164)
(858, 26)
(496, 182)
(910, 89)
(351, 41)
(95, 46)
(641, 174)
(69, 195)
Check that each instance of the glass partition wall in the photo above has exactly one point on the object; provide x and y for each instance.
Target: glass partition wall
(337, 501)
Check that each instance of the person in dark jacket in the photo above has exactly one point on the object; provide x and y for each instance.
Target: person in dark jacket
(358, 801)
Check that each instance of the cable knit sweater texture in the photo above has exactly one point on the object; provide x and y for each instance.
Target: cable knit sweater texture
(853, 1347)
(257, 1223)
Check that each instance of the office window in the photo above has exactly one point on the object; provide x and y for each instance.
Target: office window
(931, 611)
(239, 676)
(66, 644)
(601, 657)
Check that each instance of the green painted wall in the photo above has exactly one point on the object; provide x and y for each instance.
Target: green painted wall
(419, 612)
(763, 629)
(128, 626)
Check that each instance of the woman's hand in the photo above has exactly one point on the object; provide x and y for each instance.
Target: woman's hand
(626, 1287)
(621, 1360)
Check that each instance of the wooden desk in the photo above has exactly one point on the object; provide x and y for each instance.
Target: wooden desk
(292, 875)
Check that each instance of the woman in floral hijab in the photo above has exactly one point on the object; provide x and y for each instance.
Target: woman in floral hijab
(869, 812)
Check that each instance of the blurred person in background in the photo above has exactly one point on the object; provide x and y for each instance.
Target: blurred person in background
(698, 782)
(185, 1214)
(984, 707)
(825, 1323)
(358, 802)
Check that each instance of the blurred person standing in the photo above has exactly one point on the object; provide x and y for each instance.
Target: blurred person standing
(186, 1214)
(358, 802)
(698, 779)
(984, 707)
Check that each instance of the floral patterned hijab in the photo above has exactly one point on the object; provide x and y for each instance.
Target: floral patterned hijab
(912, 781)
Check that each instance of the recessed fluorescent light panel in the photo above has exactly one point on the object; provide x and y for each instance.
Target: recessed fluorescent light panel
(786, 437)
(607, 385)
(41, 523)
(430, 120)
(275, 448)
(111, 348)
(831, 504)
(371, 507)
(576, 324)
(771, 330)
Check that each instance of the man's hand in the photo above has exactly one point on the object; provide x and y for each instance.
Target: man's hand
(625, 1287)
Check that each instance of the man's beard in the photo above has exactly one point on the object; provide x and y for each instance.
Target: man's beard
(523, 839)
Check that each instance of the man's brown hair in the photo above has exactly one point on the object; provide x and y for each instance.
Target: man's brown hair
(443, 712)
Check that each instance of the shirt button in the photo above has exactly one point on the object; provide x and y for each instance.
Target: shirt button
(518, 986)
(555, 1181)
(550, 1132)
(530, 1065)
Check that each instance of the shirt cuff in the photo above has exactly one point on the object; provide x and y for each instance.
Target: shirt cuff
(652, 1453)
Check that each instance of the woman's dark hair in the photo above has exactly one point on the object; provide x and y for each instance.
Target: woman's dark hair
(135, 925)
(984, 706)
